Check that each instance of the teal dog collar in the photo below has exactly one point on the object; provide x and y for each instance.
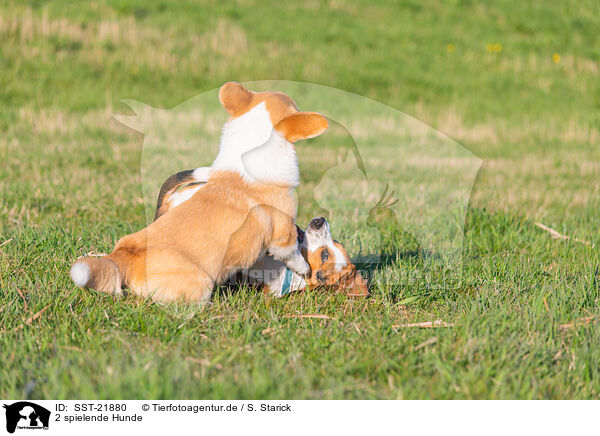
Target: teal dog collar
(286, 285)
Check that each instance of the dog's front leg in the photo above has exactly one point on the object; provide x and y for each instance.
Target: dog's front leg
(292, 258)
(283, 245)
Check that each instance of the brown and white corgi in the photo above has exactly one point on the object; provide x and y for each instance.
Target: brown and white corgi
(245, 210)
(329, 262)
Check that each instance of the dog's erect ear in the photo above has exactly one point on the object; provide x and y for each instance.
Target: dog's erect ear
(357, 286)
(302, 125)
(234, 98)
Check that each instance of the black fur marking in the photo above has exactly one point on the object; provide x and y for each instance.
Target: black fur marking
(170, 184)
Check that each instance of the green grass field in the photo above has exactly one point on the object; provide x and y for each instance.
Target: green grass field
(517, 84)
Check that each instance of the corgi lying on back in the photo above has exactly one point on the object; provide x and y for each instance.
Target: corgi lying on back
(329, 262)
(245, 209)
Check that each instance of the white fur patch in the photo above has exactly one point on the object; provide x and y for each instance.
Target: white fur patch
(240, 135)
(316, 239)
(292, 257)
(80, 273)
(338, 257)
(180, 196)
(251, 147)
(202, 174)
(274, 162)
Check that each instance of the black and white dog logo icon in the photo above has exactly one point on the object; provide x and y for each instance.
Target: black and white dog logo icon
(26, 415)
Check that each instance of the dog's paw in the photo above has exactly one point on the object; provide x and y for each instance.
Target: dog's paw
(299, 266)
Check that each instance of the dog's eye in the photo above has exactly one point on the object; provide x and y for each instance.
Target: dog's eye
(324, 255)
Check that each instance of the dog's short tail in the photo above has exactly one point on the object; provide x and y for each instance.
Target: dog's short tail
(99, 273)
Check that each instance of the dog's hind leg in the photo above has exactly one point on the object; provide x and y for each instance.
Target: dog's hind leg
(178, 286)
(170, 276)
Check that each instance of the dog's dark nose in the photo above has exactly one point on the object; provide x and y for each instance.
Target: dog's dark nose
(317, 223)
(320, 277)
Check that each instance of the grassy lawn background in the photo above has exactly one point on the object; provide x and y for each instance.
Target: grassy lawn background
(516, 84)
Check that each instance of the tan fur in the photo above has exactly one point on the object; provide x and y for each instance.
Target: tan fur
(172, 184)
(105, 275)
(348, 280)
(301, 125)
(164, 206)
(226, 225)
(237, 100)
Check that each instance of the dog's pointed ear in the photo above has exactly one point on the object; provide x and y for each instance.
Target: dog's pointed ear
(235, 98)
(302, 125)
